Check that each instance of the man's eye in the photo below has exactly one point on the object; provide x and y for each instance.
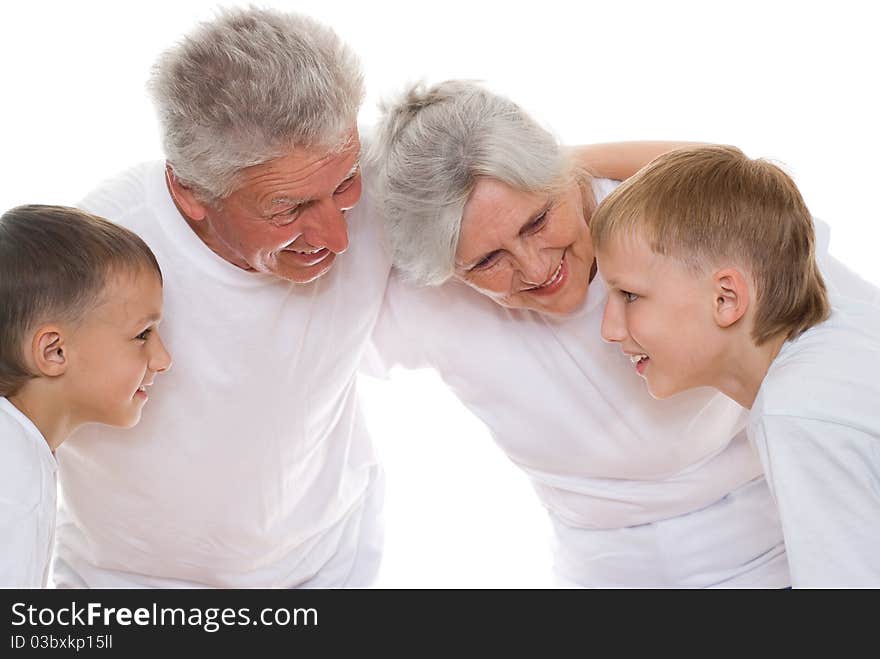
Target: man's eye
(346, 184)
(286, 217)
(629, 297)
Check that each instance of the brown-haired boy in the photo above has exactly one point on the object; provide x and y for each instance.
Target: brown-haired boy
(80, 301)
(710, 262)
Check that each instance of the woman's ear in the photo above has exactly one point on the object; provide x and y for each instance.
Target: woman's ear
(732, 296)
(49, 352)
(183, 196)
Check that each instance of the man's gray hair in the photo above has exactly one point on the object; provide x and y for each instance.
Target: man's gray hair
(246, 87)
(432, 146)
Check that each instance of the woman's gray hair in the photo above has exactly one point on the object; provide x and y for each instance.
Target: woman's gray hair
(244, 88)
(431, 147)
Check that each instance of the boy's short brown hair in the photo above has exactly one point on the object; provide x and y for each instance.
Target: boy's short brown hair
(710, 205)
(54, 263)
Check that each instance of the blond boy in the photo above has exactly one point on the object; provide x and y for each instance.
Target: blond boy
(710, 262)
(80, 301)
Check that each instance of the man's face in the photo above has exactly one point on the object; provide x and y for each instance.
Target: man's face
(661, 315)
(287, 217)
(525, 250)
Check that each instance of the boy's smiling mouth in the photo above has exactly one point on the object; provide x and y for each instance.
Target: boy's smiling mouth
(639, 359)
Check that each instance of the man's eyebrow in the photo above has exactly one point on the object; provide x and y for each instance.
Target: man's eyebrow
(294, 201)
(288, 201)
(354, 168)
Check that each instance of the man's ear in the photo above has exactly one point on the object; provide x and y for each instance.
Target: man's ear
(49, 351)
(732, 297)
(183, 196)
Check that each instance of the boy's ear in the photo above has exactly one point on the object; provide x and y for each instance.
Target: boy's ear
(49, 351)
(184, 197)
(732, 296)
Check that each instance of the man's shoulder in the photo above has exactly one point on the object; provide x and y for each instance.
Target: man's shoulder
(125, 192)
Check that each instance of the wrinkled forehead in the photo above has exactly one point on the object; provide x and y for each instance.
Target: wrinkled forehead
(494, 213)
(299, 173)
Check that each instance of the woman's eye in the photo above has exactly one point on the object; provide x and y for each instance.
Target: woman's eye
(629, 297)
(487, 262)
(143, 336)
(538, 223)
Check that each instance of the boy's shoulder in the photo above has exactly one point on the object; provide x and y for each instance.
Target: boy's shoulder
(828, 373)
(19, 462)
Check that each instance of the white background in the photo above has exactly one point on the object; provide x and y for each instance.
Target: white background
(794, 81)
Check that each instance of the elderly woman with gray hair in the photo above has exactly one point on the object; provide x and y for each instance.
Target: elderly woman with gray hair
(496, 288)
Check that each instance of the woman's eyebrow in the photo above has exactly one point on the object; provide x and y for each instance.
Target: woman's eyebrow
(522, 230)
(534, 216)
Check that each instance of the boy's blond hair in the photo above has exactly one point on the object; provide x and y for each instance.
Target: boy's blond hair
(712, 206)
(54, 263)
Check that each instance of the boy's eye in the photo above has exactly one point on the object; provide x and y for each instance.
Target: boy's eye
(629, 297)
(143, 336)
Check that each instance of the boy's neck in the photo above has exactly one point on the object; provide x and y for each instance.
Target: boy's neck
(48, 415)
(745, 367)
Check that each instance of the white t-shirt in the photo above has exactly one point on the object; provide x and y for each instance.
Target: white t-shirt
(27, 501)
(816, 425)
(251, 466)
(641, 492)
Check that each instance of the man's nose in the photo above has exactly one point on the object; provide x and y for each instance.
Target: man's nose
(327, 227)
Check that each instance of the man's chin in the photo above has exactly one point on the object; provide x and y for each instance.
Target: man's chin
(304, 274)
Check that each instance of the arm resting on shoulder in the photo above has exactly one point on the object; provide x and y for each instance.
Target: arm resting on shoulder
(620, 160)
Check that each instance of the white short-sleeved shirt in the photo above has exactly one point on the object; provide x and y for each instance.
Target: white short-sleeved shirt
(27, 500)
(641, 492)
(816, 425)
(251, 464)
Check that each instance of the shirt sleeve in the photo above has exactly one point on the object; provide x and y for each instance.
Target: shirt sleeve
(402, 331)
(21, 557)
(825, 478)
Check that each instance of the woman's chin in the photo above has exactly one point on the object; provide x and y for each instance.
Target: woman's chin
(562, 304)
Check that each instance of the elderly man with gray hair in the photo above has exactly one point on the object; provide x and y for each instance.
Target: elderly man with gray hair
(252, 466)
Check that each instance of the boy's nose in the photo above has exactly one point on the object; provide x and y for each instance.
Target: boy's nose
(160, 361)
(613, 325)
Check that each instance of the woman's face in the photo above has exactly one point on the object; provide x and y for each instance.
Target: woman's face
(526, 250)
